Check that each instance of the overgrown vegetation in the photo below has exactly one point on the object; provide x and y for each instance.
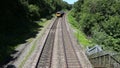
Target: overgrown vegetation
(99, 19)
(17, 21)
(81, 37)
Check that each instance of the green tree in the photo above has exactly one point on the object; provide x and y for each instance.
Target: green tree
(17, 21)
(99, 19)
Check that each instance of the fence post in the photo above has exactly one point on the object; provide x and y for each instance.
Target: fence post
(104, 60)
(109, 61)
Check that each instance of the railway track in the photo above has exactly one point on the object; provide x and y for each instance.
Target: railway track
(71, 58)
(65, 50)
(45, 58)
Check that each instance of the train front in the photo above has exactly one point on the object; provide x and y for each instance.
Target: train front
(59, 13)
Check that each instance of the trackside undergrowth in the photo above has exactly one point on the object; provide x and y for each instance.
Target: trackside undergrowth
(44, 23)
(81, 37)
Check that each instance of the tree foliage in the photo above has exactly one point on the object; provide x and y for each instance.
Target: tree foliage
(99, 19)
(17, 21)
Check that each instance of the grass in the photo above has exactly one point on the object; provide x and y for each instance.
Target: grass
(81, 37)
(26, 57)
(43, 23)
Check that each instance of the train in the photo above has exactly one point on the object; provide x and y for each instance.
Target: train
(59, 13)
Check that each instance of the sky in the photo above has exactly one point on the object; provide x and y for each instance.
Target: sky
(70, 1)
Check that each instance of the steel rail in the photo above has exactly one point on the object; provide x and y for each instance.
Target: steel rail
(46, 56)
(64, 27)
(64, 44)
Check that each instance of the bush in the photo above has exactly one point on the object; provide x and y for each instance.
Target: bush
(99, 19)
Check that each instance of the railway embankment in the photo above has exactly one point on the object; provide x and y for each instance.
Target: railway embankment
(27, 50)
(54, 46)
